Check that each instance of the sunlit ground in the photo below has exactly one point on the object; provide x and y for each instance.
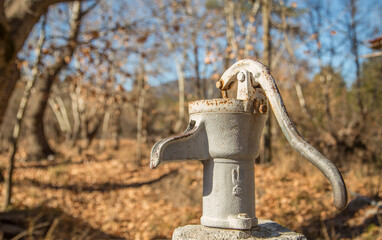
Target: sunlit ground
(109, 194)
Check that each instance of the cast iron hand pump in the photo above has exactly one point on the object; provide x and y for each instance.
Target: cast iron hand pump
(225, 135)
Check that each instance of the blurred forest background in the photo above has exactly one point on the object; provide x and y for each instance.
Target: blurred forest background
(87, 87)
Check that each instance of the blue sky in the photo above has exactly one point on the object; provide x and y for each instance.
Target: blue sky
(162, 68)
(369, 18)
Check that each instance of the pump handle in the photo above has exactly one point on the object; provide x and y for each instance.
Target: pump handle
(262, 76)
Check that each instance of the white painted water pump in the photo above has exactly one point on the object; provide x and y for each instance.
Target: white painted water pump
(224, 134)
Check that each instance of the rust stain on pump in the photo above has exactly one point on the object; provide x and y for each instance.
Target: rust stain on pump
(218, 134)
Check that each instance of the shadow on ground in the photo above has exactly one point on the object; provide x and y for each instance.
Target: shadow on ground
(46, 223)
(62, 161)
(362, 216)
(105, 187)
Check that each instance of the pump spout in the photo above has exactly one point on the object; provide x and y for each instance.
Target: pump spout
(188, 146)
(262, 77)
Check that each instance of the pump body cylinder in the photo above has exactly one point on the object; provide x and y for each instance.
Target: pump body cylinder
(233, 139)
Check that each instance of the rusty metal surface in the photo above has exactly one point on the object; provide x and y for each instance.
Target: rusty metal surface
(262, 76)
(220, 105)
(224, 134)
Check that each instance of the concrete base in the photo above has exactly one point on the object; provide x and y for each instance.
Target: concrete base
(265, 230)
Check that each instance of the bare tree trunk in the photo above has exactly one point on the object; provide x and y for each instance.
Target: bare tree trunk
(19, 119)
(63, 112)
(57, 113)
(141, 104)
(38, 147)
(248, 31)
(117, 126)
(182, 97)
(91, 134)
(76, 116)
(354, 50)
(84, 130)
(266, 11)
(325, 84)
(229, 8)
(325, 79)
(8, 80)
(300, 94)
(105, 126)
(179, 65)
(181, 112)
(17, 19)
(293, 66)
(198, 83)
(9, 176)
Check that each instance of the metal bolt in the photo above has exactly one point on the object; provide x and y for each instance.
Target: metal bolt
(263, 108)
(241, 76)
(219, 84)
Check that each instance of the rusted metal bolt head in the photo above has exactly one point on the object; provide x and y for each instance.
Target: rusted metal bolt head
(219, 84)
(241, 76)
(263, 108)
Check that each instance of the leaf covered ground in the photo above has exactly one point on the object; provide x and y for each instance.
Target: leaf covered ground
(96, 195)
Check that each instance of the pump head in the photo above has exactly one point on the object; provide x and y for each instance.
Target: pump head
(224, 134)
